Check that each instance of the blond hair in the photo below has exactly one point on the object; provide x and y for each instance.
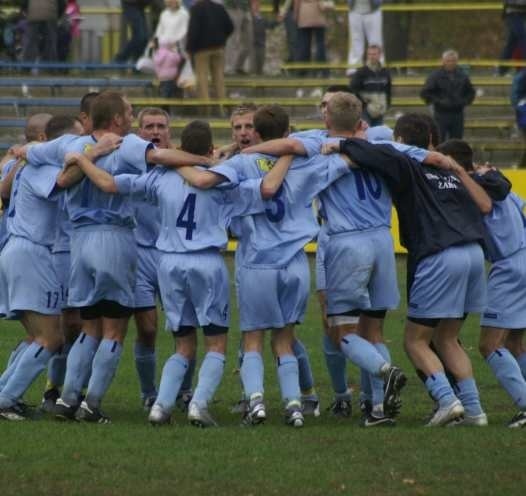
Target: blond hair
(344, 112)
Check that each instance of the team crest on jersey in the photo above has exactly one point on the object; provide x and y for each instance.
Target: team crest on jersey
(87, 148)
(265, 164)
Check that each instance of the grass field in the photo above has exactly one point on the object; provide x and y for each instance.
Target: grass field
(327, 456)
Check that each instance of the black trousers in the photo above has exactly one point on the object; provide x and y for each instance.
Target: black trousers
(451, 124)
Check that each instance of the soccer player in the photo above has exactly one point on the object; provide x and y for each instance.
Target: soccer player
(192, 274)
(505, 312)
(29, 286)
(102, 280)
(34, 131)
(243, 134)
(154, 126)
(441, 227)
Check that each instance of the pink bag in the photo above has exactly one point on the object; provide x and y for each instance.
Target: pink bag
(166, 62)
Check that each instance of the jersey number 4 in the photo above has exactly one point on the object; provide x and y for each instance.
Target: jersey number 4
(186, 217)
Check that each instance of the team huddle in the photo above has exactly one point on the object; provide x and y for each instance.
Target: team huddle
(100, 224)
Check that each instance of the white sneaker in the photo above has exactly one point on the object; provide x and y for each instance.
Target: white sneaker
(444, 415)
(293, 415)
(158, 416)
(256, 413)
(470, 420)
(200, 417)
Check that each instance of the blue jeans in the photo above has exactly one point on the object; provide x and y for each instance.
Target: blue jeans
(134, 17)
(304, 45)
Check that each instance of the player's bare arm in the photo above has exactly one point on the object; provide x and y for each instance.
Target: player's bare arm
(274, 179)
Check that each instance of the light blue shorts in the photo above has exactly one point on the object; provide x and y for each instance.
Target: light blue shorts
(449, 284)
(321, 272)
(103, 266)
(273, 298)
(28, 280)
(506, 304)
(147, 284)
(194, 289)
(361, 272)
(62, 264)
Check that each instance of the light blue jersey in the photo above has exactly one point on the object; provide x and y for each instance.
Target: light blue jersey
(33, 208)
(505, 228)
(87, 205)
(63, 231)
(4, 235)
(191, 219)
(359, 201)
(273, 238)
(148, 218)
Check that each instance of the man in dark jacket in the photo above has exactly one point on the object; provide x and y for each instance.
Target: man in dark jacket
(372, 85)
(209, 28)
(449, 90)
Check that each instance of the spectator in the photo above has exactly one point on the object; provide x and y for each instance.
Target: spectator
(365, 24)
(42, 29)
(68, 30)
(133, 15)
(209, 28)
(170, 32)
(240, 47)
(518, 101)
(514, 15)
(449, 90)
(311, 21)
(372, 85)
(285, 14)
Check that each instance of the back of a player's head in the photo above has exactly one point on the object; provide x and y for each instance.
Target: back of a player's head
(147, 111)
(35, 129)
(433, 129)
(105, 107)
(196, 138)
(412, 129)
(243, 109)
(271, 122)
(459, 150)
(62, 124)
(344, 112)
(337, 88)
(86, 101)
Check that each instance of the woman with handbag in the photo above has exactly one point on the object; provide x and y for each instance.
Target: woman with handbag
(311, 20)
(167, 58)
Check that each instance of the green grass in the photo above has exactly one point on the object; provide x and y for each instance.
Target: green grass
(328, 456)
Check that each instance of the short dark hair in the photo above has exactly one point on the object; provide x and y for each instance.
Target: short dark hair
(336, 88)
(105, 107)
(271, 122)
(59, 125)
(413, 130)
(433, 128)
(196, 137)
(459, 150)
(87, 100)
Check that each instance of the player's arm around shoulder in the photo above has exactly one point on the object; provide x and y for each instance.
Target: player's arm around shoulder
(77, 164)
(278, 147)
(273, 180)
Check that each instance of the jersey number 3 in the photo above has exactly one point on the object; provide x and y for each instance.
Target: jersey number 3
(186, 217)
(278, 214)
